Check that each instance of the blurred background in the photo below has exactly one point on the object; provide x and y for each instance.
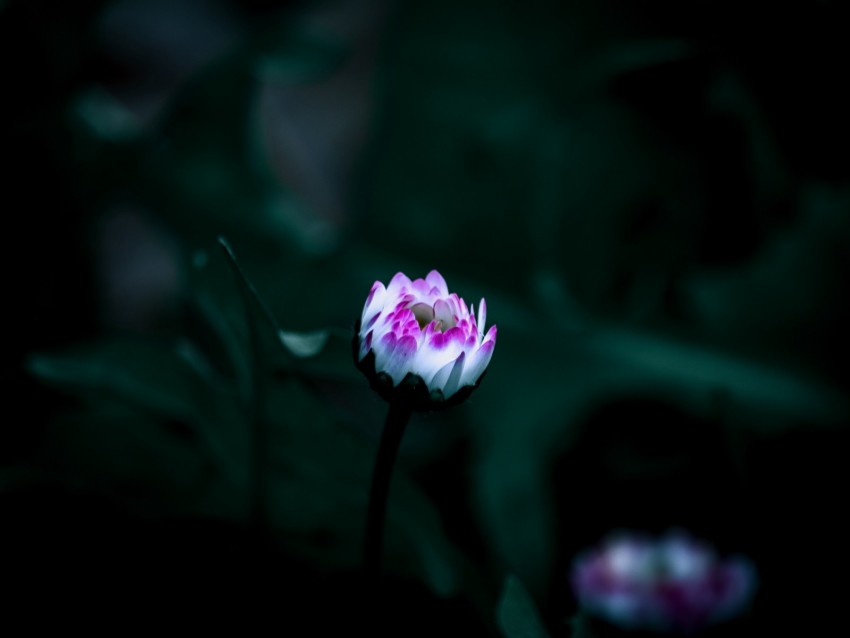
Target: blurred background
(653, 198)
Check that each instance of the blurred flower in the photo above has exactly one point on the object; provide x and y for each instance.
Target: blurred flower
(671, 584)
(419, 344)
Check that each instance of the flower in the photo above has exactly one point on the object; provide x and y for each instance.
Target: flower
(671, 584)
(419, 344)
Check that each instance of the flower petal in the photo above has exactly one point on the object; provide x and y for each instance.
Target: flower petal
(423, 312)
(453, 382)
(478, 362)
(384, 348)
(365, 345)
(398, 364)
(443, 313)
(375, 300)
(421, 287)
(400, 282)
(435, 279)
(369, 325)
(434, 354)
(441, 378)
(482, 316)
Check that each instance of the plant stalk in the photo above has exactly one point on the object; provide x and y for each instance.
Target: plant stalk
(397, 419)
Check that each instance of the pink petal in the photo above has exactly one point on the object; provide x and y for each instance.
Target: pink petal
(436, 280)
(421, 286)
(374, 302)
(437, 350)
(384, 348)
(399, 284)
(371, 322)
(365, 345)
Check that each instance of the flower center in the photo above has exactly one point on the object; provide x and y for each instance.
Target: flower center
(425, 314)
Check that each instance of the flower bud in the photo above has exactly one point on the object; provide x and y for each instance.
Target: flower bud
(419, 345)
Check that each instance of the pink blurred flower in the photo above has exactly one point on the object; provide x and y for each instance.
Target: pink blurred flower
(418, 343)
(671, 584)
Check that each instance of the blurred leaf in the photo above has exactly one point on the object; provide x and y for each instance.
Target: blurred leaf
(154, 379)
(217, 337)
(157, 431)
(304, 344)
(626, 57)
(698, 374)
(293, 345)
(150, 426)
(297, 54)
(105, 116)
(516, 613)
(787, 301)
(138, 458)
(262, 324)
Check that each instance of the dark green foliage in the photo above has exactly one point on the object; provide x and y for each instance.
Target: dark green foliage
(516, 614)
(652, 199)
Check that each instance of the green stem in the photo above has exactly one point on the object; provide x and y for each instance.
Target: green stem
(397, 419)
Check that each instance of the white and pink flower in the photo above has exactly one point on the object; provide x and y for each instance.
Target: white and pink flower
(421, 334)
(670, 584)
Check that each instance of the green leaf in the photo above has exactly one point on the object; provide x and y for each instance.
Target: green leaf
(304, 344)
(516, 614)
(154, 377)
(153, 430)
(151, 379)
(150, 428)
(262, 325)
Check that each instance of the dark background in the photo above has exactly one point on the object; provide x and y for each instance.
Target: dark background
(653, 200)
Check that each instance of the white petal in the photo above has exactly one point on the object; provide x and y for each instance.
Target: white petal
(398, 364)
(374, 302)
(399, 281)
(443, 313)
(383, 347)
(442, 376)
(477, 363)
(453, 383)
(482, 316)
(430, 359)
